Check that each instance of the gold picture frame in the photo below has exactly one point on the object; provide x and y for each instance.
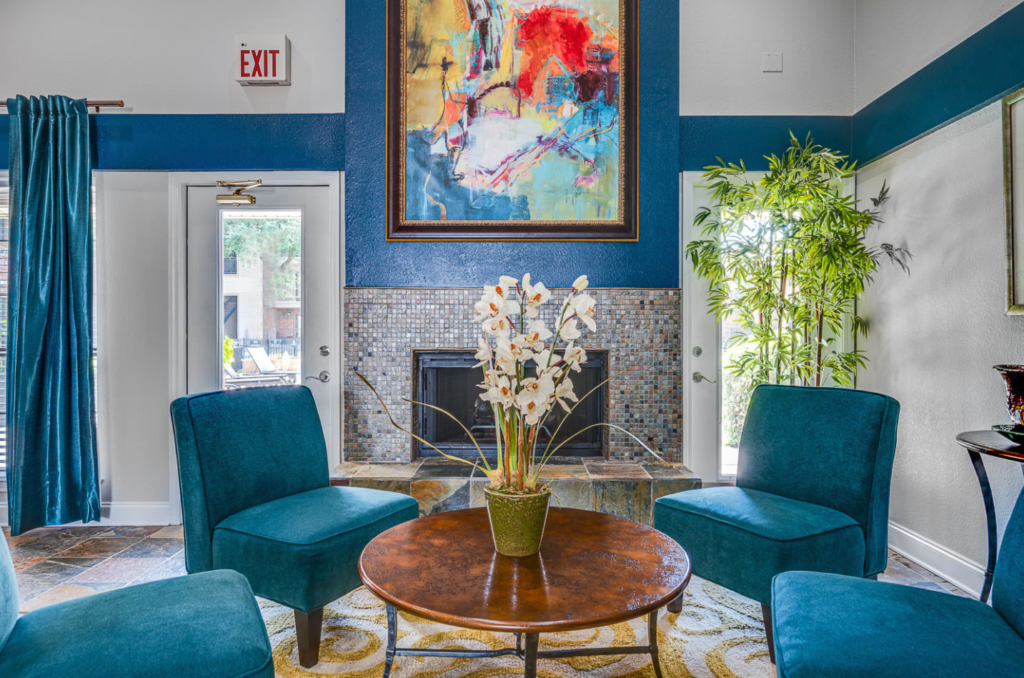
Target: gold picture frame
(399, 228)
(1013, 189)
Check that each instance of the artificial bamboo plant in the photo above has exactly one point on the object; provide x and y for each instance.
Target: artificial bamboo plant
(524, 378)
(785, 255)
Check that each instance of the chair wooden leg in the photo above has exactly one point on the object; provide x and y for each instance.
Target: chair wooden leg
(766, 612)
(307, 632)
(873, 577)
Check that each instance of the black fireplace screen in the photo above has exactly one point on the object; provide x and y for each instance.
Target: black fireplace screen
(447, 379)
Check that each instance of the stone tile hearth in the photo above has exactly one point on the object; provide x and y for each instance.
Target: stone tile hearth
(621, 489)
(638, 328)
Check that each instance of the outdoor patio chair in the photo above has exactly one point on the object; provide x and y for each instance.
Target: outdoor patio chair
(266, 366)
(234, 380)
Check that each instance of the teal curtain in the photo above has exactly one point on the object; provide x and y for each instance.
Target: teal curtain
(52, 469)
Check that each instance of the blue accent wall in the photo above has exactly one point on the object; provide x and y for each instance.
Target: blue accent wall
(212, 142)
(981, 69)
(373, 262)
(704, 138)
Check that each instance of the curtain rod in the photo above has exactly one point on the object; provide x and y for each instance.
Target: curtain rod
(91, 104)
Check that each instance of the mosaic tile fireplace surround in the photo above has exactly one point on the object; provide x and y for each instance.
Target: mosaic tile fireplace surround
(385, 326)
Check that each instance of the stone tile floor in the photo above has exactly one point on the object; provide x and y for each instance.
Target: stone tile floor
(55, 564)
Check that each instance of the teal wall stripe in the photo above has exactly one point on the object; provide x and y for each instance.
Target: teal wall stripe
(318, 141)
(704, 138)
(981, 69)
(212, 142)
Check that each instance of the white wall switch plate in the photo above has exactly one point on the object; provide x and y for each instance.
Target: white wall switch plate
(772, 62)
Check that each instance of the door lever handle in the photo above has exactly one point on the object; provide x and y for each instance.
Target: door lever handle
(324, 377)
(698, 377)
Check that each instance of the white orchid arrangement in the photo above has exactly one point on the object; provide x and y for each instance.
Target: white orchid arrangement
(514, 335)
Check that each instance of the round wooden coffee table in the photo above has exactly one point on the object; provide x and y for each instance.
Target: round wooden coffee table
(593, 570)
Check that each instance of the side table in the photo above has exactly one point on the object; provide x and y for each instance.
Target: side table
(992, 444)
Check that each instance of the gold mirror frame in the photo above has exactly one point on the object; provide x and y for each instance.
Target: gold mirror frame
(1014, 304)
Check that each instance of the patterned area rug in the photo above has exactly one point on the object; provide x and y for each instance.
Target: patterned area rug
(719, 634)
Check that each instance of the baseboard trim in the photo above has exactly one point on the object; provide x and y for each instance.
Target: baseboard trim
(961, 572)
(118, 513)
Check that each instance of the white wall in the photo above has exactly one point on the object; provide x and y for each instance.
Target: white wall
(171, 57)
(176, 57)
(134, 432)
(839, 55)
(896, 38)
(720, 57)
(936, 334)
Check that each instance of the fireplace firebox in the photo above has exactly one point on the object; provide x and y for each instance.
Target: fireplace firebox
(448, 380)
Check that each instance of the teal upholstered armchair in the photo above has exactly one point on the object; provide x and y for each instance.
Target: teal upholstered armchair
(828, 626)
(256, 498)
(812, 493)
(202, 626)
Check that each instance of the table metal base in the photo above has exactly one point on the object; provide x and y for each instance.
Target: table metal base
(529, 654)
(990, 520)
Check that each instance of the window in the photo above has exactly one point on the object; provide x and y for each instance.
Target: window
(262, 330)
(230, 264)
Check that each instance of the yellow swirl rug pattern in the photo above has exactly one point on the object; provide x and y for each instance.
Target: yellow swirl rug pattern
(719, 634)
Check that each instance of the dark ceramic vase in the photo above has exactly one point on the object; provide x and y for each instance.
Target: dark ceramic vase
(1013, 375)
(517, 521)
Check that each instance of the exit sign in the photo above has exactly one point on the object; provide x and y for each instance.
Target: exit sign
(263, 59)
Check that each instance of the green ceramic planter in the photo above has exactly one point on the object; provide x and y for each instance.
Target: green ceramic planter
(517, 521)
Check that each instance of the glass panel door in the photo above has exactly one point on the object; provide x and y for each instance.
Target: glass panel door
(263, 295)
(714, 400)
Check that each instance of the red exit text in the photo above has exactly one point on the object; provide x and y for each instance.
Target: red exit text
(259, 63)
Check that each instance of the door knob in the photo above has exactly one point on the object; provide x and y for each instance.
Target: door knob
(324, 376)
(698, 377)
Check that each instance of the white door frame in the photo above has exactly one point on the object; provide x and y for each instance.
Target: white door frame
(178, 183)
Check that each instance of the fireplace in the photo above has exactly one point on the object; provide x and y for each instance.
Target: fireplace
(387, 329)
(448, 380)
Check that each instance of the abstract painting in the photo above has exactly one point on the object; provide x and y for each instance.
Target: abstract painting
(512, 120)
